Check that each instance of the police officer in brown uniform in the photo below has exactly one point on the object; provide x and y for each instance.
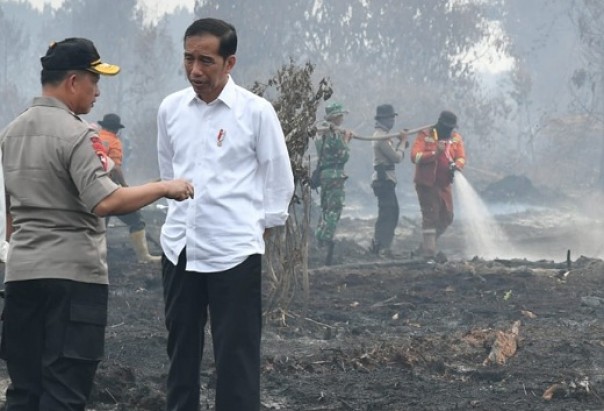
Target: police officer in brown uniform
(57, 183)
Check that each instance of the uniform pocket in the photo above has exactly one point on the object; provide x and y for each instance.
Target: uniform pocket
(2, 342)
(85, 333)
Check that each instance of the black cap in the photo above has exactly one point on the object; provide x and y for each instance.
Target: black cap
(447, 119)
(76, 54)
(111, 122)
(385, 111)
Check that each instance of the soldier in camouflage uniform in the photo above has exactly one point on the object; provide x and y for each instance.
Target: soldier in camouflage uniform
(332, 147)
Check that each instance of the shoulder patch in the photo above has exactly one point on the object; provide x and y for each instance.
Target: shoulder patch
(100, 151)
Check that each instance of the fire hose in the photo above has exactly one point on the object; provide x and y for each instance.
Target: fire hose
(375, 138)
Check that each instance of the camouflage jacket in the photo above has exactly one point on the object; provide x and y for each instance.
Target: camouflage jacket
(334, 155)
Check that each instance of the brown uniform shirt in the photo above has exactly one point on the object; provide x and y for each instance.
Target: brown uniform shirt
(385, 154)
(54, 178)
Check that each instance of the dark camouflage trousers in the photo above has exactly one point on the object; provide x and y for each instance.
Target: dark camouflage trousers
(332, 203)
(388, 212)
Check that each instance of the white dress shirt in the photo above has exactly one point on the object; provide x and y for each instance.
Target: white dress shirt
(233, 151)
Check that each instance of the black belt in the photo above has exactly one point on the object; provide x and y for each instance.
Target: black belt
(384, 167)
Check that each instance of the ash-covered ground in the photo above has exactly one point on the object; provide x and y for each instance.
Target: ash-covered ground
(399, 334)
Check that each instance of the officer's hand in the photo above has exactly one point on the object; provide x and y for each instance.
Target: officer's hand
(179, 189)
(402, 137)
(347, 135)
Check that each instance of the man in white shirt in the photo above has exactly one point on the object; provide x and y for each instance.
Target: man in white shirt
(229, 142)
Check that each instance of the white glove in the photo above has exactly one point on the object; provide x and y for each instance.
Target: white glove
(3, 251)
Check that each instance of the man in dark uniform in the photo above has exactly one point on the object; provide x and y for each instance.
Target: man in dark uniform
(58, 187)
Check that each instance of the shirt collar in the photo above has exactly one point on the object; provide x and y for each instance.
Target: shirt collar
(53, 102)
(227, 95)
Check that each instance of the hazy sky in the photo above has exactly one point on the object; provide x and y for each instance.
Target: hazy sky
(486, 60)
(154, 7)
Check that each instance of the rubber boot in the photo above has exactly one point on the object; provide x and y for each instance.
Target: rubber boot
(139, 241)
(329, 257)
(429, 246)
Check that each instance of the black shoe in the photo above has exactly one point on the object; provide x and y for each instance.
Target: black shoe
(375, 247)
(440, 257)
(386, 253)
(418, 252)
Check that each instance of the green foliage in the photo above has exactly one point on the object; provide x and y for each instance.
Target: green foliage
(292, 93)
(588, 80)
(416, 39)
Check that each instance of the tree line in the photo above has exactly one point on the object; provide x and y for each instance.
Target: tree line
(419, 56)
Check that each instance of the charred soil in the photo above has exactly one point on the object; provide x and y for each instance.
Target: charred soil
(386, 334)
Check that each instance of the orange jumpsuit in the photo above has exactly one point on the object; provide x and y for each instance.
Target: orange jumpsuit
(433, 178)
(113, 146)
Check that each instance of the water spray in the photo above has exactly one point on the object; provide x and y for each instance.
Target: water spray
(483, 235)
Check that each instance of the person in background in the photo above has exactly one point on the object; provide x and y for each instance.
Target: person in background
(110, 125)
(58, 189)
(332, 144)
(437, 153)
(385, 155)
(229, 142)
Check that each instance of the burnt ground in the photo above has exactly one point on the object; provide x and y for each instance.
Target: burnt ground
(393, 334)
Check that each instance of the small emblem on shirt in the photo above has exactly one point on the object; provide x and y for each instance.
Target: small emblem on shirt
(220, 137)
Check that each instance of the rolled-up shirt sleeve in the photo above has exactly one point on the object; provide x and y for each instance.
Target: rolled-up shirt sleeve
(275, 166)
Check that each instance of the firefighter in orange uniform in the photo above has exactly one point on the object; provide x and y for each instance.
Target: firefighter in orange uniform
(110, 126)
(437, 153)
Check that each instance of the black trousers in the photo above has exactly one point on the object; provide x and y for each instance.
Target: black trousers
(52, 341)
(233, 300)
(388, 212)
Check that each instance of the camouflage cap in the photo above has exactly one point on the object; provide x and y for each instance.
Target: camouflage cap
(333, 110)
